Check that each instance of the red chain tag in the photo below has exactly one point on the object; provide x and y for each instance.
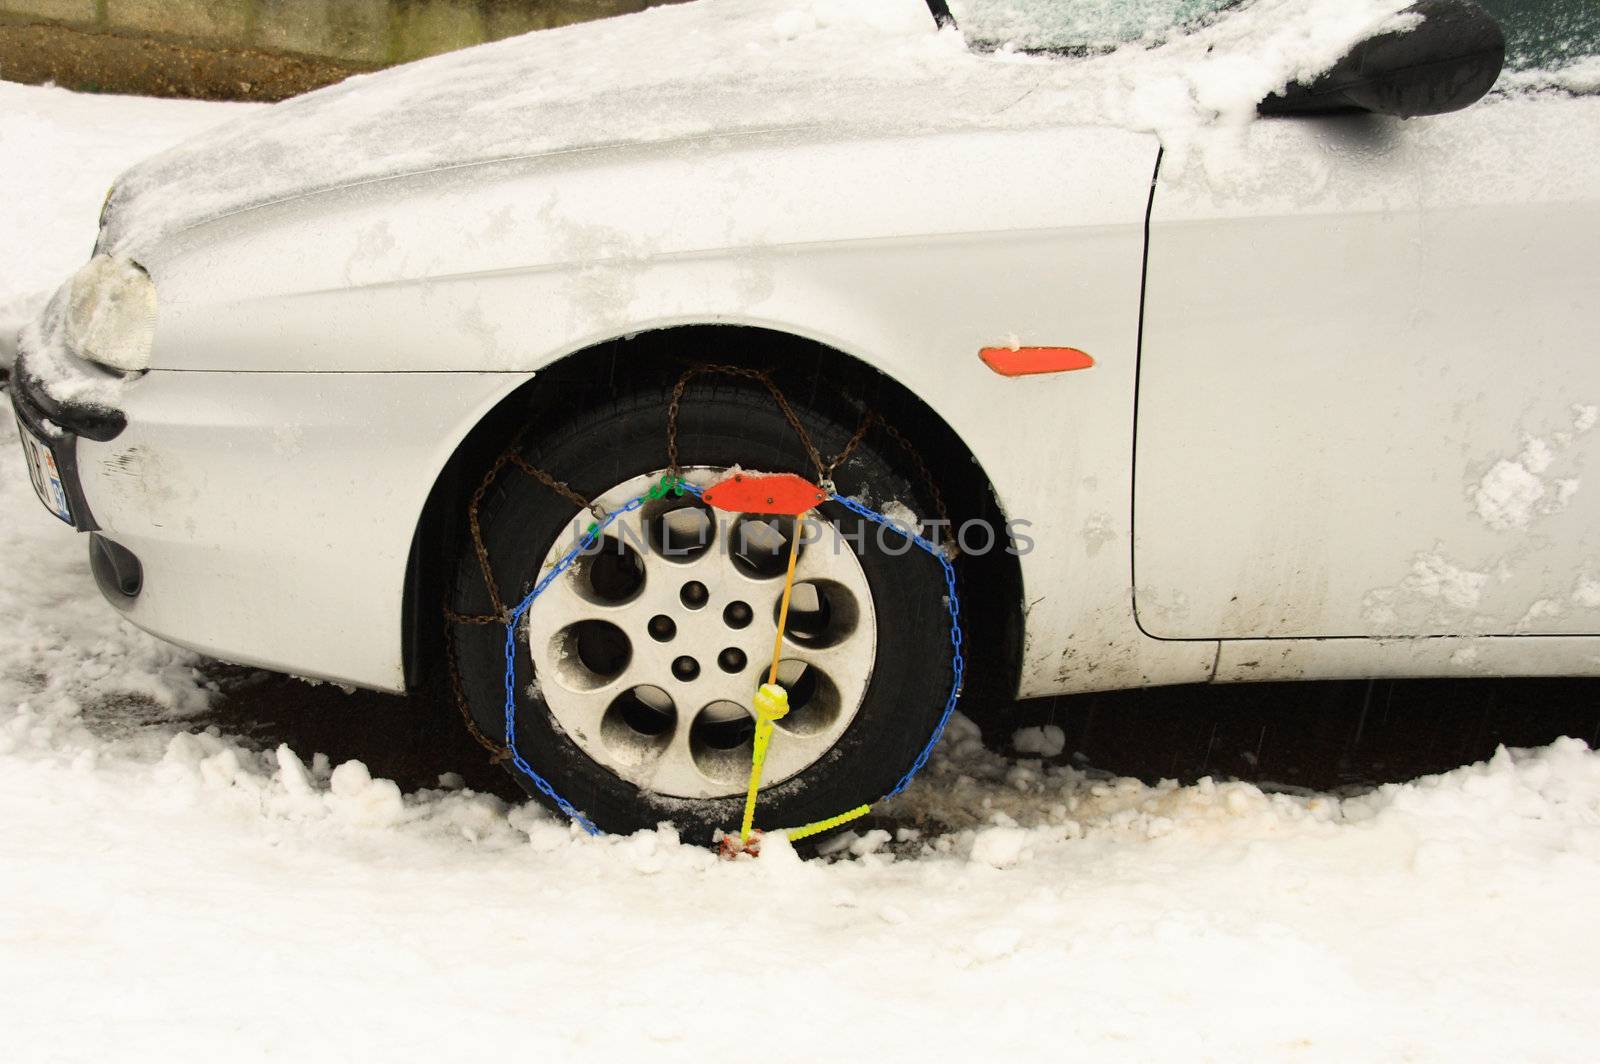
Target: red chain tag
(764, 493)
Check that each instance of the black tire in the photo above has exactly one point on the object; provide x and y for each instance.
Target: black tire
(722, 423)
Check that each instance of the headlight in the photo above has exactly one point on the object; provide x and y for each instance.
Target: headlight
(111, 314)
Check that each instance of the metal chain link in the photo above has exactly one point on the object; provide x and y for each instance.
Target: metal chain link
(500, 615)
(497, 753)
(868, 418)
(926, 476)
(558, 486)
(744, 373)
(475, 528)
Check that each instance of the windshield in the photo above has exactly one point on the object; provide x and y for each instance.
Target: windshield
(1542, 35)
(1547, 34)
(1075, 26)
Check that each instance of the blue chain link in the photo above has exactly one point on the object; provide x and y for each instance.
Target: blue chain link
(958, 663)
(587, 540)
(592, 535)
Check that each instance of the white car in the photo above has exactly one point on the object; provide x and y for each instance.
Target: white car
(1198, 396)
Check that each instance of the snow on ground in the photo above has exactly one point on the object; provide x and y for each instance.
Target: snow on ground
(167, 894)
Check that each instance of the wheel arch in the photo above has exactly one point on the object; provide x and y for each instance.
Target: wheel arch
(994, 620)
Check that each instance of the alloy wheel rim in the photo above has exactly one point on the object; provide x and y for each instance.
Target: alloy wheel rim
(648, 650)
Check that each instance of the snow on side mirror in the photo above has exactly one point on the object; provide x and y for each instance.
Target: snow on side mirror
(1446, 63)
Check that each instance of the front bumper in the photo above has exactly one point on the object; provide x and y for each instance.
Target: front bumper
(89, 420)
(273, 514)
(58, 427)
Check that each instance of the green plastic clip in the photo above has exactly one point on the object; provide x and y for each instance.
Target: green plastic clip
(668, 483)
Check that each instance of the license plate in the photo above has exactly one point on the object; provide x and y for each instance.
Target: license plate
(45, 474)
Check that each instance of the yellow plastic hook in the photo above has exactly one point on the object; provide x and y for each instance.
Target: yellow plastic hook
(771, 702)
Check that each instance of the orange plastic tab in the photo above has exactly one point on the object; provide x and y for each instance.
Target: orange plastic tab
(1023, 361)
(765, 493)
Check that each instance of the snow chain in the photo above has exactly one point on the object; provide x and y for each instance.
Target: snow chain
(674, 483)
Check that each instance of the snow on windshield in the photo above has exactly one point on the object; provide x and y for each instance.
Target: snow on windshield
(1547, 34)
(1075, 25)
(1550, 44)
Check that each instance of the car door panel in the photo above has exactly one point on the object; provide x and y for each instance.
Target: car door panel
(1369, 377)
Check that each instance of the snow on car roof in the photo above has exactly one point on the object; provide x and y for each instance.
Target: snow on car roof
(851, 67)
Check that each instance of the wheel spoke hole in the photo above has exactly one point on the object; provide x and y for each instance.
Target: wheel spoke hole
(694, 595)
(591, 653)
(679, 530)
(759, 545)
(720, 741)
(685, 668)
(822, 613)
(609, 574)
(814, 703)
(638, 724)
(738, 615)
(662, 628)
(731, 660)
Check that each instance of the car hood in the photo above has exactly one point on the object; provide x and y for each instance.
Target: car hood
(686, 71)
(666, 74)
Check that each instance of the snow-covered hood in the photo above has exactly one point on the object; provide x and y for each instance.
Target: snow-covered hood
(712, 67)
(665, 74)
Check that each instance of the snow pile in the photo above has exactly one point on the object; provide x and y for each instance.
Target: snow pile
(206, 770)
(1047, 741)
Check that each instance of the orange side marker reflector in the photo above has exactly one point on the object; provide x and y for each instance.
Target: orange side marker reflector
(1023, 361)
(767, 493)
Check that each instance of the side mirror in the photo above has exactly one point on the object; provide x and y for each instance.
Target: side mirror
(1448, 62)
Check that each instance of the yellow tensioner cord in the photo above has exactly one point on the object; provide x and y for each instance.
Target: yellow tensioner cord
(772, 704)
(772, 701)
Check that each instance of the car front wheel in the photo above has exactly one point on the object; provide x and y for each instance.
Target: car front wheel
(633, 672)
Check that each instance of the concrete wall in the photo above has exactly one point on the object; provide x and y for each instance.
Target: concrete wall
(357, 33)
